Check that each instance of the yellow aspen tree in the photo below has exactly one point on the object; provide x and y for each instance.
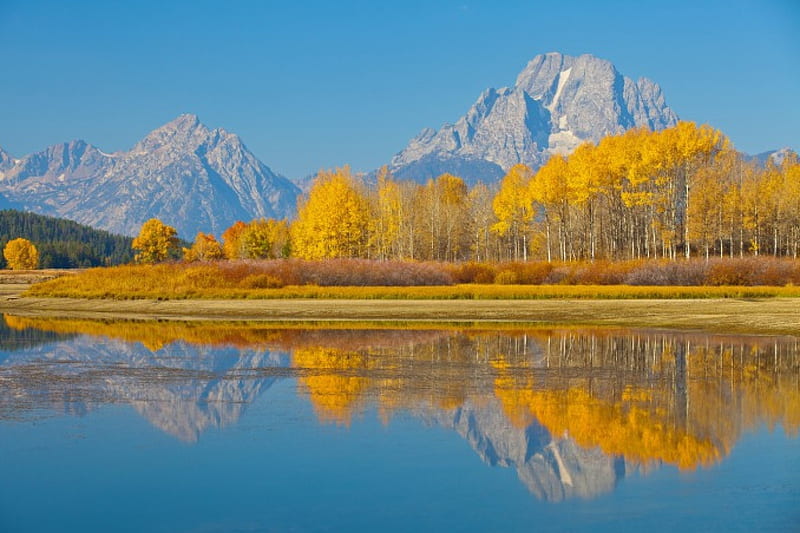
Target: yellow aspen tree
(514, 209)
(205, 248)
(155, 241)
(550, 189)
(773, 201)
(752, 200)
(480, 219)
(705, 207)
(791, 179)
(691, 147)
(587, 166)
(387, 219)
(264, 239)
(21, 254)
(454, 195)
(231, 240)
(333, 221)
(442, 207)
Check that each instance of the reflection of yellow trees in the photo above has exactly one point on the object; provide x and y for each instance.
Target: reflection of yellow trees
(684, 399)
(618, 428)
(156, 335)
(335, 382)
(341, 382)
(238, 334)
(762, 381)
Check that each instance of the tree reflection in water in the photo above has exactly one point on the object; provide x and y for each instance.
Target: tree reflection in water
(571, 409)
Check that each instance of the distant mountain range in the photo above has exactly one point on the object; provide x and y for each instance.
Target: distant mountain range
(187, 175)
(198, 179)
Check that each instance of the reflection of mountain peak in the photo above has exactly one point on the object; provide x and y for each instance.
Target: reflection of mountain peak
(182, 390)
(553, 469)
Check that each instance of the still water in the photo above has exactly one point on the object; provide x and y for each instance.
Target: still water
(216, 427)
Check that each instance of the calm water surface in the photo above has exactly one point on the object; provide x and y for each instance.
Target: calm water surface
(206, 427)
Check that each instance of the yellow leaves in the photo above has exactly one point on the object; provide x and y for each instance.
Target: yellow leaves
(264, 239)
(549, 186)
(155, 241)
(330, 384)
(231, 239)
(388, 217)
(21, 254)
(260, 239)
(205, 248)
(513, 204)
(334, 220)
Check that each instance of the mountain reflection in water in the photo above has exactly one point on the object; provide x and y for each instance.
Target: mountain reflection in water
(572, 410)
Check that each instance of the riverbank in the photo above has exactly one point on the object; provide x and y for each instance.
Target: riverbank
(723, 315)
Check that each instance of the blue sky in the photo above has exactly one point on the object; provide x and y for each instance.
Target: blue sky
(311, 85)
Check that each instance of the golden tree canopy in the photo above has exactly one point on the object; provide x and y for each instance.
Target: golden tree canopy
(205, 248)
(155, 241)
(232, 239)
(21, 254)
(334, 219)
(264, 239)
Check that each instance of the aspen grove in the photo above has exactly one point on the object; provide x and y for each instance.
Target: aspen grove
(679, 192)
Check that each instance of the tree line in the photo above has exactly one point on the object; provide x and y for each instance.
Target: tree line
(678, 192)
(63, 243)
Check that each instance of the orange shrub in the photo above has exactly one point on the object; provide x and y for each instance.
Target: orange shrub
(531, 273)
(472, 272)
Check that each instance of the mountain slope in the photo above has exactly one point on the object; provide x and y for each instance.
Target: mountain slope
(183, 173)
(557, 102)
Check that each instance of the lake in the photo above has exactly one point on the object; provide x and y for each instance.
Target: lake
(248, 427)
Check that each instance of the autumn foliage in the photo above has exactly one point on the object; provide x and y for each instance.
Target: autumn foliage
(21, 254)
(155, 242)
(205, 248)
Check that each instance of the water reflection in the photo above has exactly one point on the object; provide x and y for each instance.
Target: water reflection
(572, 410)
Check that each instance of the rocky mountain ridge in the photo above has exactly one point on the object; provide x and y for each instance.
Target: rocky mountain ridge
(187, 175)
(557, 103)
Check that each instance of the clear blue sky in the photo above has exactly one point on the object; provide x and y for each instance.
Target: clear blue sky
(309, 85)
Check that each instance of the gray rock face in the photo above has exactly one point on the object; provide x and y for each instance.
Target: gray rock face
(183, 173)
(557, 103)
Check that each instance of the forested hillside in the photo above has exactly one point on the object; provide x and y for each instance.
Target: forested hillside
(64, 243)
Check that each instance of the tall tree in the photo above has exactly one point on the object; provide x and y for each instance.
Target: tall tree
(514, 209)
(232, 240)
(333, 221)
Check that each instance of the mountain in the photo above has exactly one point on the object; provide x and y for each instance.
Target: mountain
(557, 103)
(187, 175)
(776, 156)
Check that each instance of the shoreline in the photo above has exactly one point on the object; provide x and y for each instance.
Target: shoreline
(766, 316)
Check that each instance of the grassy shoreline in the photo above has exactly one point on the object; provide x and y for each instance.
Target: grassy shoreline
(725, 309)
(773, 316)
